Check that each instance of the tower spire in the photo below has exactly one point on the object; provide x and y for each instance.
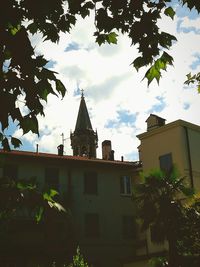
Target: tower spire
(83, 120)
(84, 139)
(82, 93)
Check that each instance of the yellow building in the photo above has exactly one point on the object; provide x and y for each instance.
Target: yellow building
(161, 147)
(176, 143)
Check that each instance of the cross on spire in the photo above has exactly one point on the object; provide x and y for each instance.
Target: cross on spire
(82, 93)
(63, 139)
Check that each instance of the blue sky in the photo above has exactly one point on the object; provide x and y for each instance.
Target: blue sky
(118, 100)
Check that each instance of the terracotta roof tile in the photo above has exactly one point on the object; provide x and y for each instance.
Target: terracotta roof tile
(68, 157)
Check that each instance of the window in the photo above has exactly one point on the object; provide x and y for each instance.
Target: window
(129, 228)
(92, 225)
(125, 185)
(52, 178)
(90, 183)
(10, 171)
(166, 163)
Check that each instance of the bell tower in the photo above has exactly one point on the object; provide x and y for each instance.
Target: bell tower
(84, 140)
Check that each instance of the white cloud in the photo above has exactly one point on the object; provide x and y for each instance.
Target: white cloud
(112, 85)
(190, 24)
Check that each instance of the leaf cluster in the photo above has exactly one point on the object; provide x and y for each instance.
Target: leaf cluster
(167, 205)
(193, 79)
(24, 79)
(158, 262)
(78, 260)
(139, 20)
(22, 197)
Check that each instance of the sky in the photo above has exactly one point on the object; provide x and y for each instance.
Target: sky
(118, 100)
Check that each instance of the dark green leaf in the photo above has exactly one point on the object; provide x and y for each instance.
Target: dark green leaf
(39, 213)
(15, 114)
(89, 5)
(41, 61)
(138, 63)
(193, 79)
(187, 191)
(85, 12)
(192, 4)
(29, 123)
(24, 185)
(60, 88)
(33, 28)
(48, 74)
(7, 54)
(160, 64)
(44, 92)
(14, 29)
(53, 193)
(112, 38)
(50, 194)
(153, 73)
(169, 12)
(167, 58)
(15, 142)
(64, 24)
(166, 39)
(1, 137)
(51, 32)
(5, 144)
(189, 76)
(4, 117)
(100, 39)
(44, 89)
(71, 19)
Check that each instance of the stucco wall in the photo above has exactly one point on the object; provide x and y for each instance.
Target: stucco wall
(194, 143)
(158, 143)
(110, 206)
(172, 139)
(110, 248)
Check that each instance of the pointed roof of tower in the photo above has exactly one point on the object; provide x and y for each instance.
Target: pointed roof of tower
(83, 120)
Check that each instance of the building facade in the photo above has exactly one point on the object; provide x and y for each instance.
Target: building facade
(97, 194)
(164, 146)
(176, 143)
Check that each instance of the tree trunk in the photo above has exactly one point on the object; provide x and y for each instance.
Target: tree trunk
(173, 254)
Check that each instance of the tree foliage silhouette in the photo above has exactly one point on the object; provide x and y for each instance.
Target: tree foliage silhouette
(162, 202)
(24, 77)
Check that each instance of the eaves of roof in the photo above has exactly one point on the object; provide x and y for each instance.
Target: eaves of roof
(168, 126)
(68, 158)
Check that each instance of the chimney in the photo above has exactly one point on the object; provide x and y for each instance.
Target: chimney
(60, 150)
(106, 149)
(111, 155)
(107, 152)
(37, 148)
(153, 122)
